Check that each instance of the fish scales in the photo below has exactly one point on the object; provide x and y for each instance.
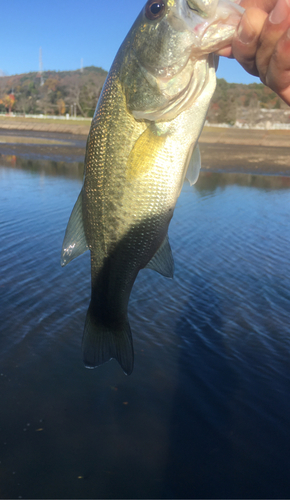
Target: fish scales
(141, 145)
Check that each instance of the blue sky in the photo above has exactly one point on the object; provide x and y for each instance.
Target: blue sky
(71, 30)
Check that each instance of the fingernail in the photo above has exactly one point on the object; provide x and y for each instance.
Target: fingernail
(280, 12)
(246, 34)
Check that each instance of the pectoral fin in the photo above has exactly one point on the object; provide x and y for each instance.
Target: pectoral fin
(162, 262)
(74, 243)
(146, 151)
(194, 165)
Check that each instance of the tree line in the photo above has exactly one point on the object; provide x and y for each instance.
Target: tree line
(53, 92)
(230, 97)
(77, 93)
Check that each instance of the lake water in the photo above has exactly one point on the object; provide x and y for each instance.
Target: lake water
(206, 412)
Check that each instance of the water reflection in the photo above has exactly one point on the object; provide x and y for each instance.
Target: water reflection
(72, 170)
(206, 412)
(208, 182)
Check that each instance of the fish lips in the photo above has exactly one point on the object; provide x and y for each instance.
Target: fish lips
(220, 18)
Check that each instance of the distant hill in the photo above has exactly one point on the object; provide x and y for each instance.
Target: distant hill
(78, 91)
(60, 93)
(229, 98)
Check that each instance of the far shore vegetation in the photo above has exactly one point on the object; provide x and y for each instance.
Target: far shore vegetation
(75, 93)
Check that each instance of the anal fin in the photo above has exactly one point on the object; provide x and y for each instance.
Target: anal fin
(162, 262)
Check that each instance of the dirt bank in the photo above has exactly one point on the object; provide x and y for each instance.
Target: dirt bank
(269, 138)
(212, 135)
(222, 150)
(45, 125)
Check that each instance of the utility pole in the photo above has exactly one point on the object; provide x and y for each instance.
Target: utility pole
(40, 67)
(82, 64)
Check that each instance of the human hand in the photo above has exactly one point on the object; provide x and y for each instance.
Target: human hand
(262, 43)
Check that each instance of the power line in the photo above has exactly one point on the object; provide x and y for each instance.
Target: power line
(40, 67)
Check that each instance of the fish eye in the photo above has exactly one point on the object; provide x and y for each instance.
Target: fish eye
(154, 9)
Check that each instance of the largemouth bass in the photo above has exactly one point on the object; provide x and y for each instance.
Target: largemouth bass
(142, 143)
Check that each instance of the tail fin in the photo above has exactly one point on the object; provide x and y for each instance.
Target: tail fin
(102, 343)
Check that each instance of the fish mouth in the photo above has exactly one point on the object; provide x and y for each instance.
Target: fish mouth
(212, 22)
(205, 8)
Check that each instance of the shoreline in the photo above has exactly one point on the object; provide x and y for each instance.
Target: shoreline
(210, 134)
(222, 149)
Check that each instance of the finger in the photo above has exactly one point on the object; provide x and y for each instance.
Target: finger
(246, 41)
(280, 65)
(225, 52)
(265, 5)
(274, 28)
